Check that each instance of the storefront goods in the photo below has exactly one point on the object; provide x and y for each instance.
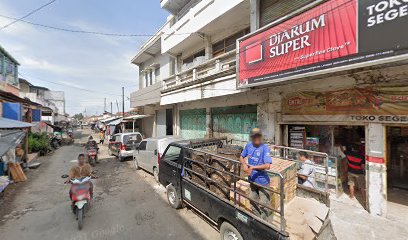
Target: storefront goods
(288, 169)
(243, 192)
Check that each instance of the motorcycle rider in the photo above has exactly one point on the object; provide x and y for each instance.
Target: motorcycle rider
(81, 170)
(91, 143)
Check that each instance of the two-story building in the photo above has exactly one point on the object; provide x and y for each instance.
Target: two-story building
(195, 55)
(8, 72)
(312, 74)
(336, 75)
(37, 94)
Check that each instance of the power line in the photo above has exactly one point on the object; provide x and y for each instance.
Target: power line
(66, 85)
(102, 33)
(28, 14)
(87, 32)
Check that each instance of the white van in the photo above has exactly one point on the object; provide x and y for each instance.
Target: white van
(147, 154)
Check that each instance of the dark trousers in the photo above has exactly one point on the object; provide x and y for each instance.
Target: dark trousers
(262, 196)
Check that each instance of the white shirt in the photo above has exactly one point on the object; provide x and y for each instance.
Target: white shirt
(310, 172)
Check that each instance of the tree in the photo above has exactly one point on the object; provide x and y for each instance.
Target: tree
(78, 116)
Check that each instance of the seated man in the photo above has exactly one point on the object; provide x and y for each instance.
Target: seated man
(307, 171)
(81, 170)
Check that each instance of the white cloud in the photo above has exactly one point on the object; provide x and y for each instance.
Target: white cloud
(98, 63)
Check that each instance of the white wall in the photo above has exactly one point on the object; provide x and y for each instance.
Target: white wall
(197, 18)
(163, 61)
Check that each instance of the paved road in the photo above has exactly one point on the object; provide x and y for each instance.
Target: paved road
(128, 205)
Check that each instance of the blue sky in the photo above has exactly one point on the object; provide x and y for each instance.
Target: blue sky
(94, 62)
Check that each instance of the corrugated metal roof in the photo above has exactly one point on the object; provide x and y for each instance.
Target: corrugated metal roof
(115, 122)
(108, 120)
(6, 123)
(10, 139)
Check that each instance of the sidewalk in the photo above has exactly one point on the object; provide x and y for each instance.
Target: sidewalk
(351, 221)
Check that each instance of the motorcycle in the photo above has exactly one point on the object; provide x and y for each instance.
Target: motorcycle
(55, 142)
(80, 196)
(92, 156)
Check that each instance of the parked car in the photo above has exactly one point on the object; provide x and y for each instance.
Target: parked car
(122, 145)
(148, 153)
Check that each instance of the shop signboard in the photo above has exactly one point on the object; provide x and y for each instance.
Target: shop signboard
(391, 100)
(335, 35)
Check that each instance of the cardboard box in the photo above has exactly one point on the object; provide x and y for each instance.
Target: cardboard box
(243, 192)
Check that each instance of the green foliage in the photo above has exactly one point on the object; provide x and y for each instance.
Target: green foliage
(78, 116)
(38, 142)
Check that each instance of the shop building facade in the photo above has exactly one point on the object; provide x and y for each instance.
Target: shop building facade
(282, 66)
(334, 81)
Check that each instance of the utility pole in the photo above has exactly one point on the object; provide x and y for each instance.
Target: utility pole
(111, 109)
(123, 102)
(104, 105)
(117, 104)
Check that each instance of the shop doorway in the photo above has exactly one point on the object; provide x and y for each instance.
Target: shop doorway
(337, 141)
(397, 165)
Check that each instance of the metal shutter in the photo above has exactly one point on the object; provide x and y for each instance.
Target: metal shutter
(271, 10)
(234, 122)
(193, 123)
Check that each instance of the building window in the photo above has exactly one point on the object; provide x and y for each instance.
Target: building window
(228, 44)
(172, 66)
(151, 77)
(194, 56)
(157, 74)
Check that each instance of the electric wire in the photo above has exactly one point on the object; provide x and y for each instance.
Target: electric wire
(16, 20)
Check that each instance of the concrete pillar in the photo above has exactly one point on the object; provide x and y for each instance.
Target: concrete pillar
(266, 120)
(179, 63)
(176, 120)
(376, 175)
(208, 48)
(154, 124)
(208, 122)
(254, 18)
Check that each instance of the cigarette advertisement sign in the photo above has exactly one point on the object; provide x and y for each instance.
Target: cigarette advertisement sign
(336, 33)
(376, 101)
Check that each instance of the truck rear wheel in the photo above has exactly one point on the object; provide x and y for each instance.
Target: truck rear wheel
(229, 232)
(173, 198)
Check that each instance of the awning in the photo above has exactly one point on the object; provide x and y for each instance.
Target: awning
(108, 120)
(134, 117)
(10, 139)
(6, 123)
(115, 122)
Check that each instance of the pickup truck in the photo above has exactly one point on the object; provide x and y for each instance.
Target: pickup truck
(232, 220)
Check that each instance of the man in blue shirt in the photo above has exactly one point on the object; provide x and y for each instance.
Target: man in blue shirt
(259, 160)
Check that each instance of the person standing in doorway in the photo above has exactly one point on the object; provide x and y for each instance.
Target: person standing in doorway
(259, 160)
(356, 167)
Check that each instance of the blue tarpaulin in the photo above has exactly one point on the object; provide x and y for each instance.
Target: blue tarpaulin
(12, 110)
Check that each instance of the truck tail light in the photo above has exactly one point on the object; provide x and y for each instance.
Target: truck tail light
(122, 147)
(158, 159)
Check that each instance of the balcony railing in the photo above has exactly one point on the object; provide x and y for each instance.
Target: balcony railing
(220, 66)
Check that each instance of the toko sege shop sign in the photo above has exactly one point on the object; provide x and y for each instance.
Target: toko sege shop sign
(335, 35)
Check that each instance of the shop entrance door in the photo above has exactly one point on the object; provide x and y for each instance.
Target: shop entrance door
(397, 164)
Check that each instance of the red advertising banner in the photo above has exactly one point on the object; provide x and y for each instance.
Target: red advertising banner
(323, 37)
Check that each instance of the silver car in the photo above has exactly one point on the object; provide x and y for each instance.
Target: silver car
(122, 145)
(147, 154)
